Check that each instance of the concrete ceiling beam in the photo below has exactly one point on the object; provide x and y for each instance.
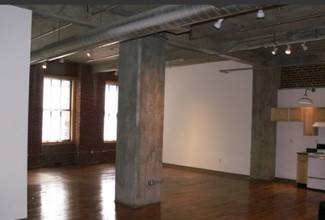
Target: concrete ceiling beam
(277, 39)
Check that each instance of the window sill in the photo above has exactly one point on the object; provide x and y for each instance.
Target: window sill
(109, 142)
(57, 143)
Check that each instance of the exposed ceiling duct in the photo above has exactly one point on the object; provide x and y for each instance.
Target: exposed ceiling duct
(153, 21)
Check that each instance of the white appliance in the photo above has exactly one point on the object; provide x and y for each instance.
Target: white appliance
(316, 171)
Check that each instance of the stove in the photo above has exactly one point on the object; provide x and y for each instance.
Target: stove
(316, 169)
(320, 148)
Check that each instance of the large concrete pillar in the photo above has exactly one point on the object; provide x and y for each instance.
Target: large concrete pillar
(265, 86)
(140, 121)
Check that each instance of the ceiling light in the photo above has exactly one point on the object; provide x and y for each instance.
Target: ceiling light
(288, 50)
(305, 100)
(88, 54)
(304, 47)
(275, 49)
(260, 13)
(218, 23)
(44, 65)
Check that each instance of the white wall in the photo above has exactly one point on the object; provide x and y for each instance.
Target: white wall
(15, 38)
(290, 138)
(207, 121)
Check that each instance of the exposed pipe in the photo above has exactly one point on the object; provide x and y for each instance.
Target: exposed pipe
(51, 32)
(152, 21)
(104, 9)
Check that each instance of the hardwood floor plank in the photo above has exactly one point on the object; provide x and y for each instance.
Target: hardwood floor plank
(88, 192)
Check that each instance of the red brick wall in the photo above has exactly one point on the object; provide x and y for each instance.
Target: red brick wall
(35, 155)
(303, 76)
(88, 146)
(91, 93)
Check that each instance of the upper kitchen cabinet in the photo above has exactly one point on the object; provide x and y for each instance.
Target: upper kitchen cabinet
(308, 115)
(295, 114)
(279, 114)
(286, 114)
(319, 114)
(309, 119)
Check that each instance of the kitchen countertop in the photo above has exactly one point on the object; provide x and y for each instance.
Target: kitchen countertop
(312, 153)
(304, 153)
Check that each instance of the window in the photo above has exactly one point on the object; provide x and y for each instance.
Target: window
(110, 118)
(56, 110)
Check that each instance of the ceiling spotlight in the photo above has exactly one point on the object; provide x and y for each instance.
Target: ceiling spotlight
(304, 47)
(275, 49)
(218, 23)
(288, 50)
(260, 14)
(88, 54)
(305, 100)
(44, 65)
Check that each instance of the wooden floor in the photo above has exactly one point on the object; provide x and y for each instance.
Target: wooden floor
(87, 192)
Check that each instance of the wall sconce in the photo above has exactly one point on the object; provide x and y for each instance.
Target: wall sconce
(305, 100)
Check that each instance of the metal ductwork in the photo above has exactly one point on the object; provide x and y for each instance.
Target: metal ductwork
(150, 22)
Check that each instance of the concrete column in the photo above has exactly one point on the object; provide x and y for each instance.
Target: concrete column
(140, 121)
(265, 85)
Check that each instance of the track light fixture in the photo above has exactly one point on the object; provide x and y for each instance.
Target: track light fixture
(260, 14)
(288, 50)
(304, 47)
(305, 100)
(44, 65)
(218, 23)
(275, 49)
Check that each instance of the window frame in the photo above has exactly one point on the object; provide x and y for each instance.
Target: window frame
(112, 82)
(72, 108)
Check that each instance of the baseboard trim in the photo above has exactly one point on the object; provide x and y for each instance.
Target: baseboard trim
(202, 170)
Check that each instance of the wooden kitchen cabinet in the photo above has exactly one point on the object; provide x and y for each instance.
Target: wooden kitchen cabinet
(302, 167)
(319, 114)
(286, 114)
(279, 114)
(309, 119)
(295, 114)
(308, 115)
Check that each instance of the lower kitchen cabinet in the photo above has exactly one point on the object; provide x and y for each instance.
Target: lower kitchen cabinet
(302, 168)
